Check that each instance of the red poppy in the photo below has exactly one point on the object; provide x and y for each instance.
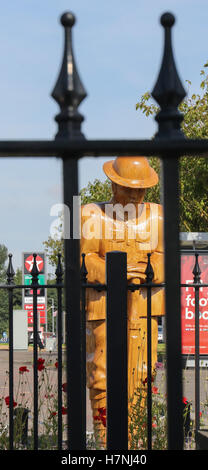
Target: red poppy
(185, 401)
(40, 365)
(23, 369)
(155, 390)
(101, 416)
(97, 418)
(53, 413)
(64, 410)
(64, 387)
(7, 401)
(146, 380)
(103, 419)
(56, 365)
(102, 411)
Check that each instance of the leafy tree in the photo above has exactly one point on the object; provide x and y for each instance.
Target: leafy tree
(193, 170)
(3, 258)
(96, 192)
(17, 294)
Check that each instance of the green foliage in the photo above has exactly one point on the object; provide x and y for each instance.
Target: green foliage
(138, 421)
(23, 400)
(53, 246)
(193, 170)
(96, 192)
(17, 294)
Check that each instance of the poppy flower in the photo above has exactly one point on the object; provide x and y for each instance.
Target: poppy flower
(101, 416)
(185, 401)
(102, 411)
(155, 390)
(7, 401)
(56, 365)
(64, 410)
(40, 365)
(53, 413)
(23, 369)
(146, 380)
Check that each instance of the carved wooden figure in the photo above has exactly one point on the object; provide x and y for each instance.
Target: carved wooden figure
(127, 224)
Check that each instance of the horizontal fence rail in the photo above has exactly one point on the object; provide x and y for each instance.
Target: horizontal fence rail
(99, 148)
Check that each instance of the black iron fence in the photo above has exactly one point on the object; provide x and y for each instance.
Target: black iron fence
(10, 287)
(116, 289)
(70, 145)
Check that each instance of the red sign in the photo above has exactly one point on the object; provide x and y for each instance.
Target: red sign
(30, 260)
(41, 313)
(188, 305)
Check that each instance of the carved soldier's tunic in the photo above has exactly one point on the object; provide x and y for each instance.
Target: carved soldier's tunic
(147, 238)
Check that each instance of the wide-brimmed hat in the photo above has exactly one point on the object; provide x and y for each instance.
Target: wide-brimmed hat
(132, 172)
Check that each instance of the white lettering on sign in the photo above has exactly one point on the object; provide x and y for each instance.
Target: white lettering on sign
(189, 314)
(191, 301)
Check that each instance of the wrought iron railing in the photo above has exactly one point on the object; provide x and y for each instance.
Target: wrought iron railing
(10, 287)
(116, 290)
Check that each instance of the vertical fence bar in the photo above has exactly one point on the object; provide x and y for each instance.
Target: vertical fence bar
(173, 310)
(83, 278)
(10, 281)
(59, 275)
(196, 274)
(34, 284)
(117, 363)
(76, 356)
(69, 92)
(169, 93)
(149, 277)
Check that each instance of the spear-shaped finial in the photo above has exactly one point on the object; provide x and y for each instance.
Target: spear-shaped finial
(34, 271)
(10, 271)
(83, 270)
(196, 271)
(168, 90)
(69, 91)
(59, 270)
(149, 270)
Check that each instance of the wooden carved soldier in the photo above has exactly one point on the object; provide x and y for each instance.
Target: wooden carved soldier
(126, 224)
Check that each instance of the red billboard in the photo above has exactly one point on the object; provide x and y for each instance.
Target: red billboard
(188, 305)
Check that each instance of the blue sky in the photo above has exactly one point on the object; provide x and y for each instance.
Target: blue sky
(118, 49)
